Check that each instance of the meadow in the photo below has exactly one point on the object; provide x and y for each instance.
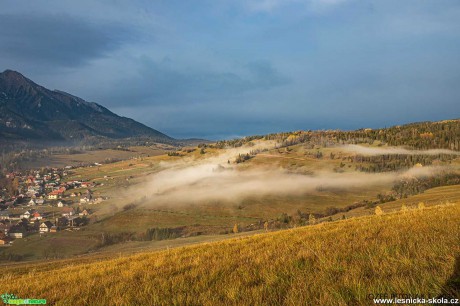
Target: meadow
(90, 157)
(415, 252)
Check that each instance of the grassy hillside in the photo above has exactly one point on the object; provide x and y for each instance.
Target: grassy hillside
(431, 197)
(337, 263)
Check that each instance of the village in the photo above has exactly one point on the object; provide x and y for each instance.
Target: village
(43, 202)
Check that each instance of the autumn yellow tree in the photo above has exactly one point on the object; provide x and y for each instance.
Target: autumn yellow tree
(311, 219)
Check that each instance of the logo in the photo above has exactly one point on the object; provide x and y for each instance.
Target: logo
(11, 299)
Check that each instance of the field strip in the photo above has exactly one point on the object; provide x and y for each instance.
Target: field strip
(285, 157)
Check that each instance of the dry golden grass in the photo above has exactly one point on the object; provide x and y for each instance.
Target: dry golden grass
(337, 263)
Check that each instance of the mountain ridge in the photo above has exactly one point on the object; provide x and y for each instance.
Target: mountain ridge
(29, 111)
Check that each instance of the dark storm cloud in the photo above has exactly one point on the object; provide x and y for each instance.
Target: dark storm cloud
(166, 82)
(56, 40)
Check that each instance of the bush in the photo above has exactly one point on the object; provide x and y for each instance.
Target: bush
(174, 153)
(129, 206)
(162, 233)
(331, 211)
(109, 238)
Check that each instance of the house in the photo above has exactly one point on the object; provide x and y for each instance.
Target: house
(45, 227)
(50, 185)
(85, 212)
(54, 229)
(4, 215)
(87, 197)
(26, 214)
(56, 194)
(53, 195)
(16, 235)
(36, 216)
(17, 232)
(31, 203)
(60, 204)
(86, 184)
(40, 201)
(68, 211)
(4, 239)
(32, 191)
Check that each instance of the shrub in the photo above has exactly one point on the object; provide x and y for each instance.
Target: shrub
(162, 233)
(311, 219)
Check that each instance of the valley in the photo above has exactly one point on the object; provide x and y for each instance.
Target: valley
(179, 196)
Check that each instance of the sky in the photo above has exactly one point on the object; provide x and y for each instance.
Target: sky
(220, 69)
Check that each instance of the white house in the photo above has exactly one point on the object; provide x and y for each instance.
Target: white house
(25, 215)
(45, 227)
(40, 201)
(16, 235)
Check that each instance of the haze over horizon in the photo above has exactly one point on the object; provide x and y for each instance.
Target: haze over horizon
(222, 69)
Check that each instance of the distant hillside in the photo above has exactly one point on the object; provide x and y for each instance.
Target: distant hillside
(414, 253)
(419, 135)
(29, 111)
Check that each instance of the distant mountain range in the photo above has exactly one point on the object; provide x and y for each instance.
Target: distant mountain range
(29, 111)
